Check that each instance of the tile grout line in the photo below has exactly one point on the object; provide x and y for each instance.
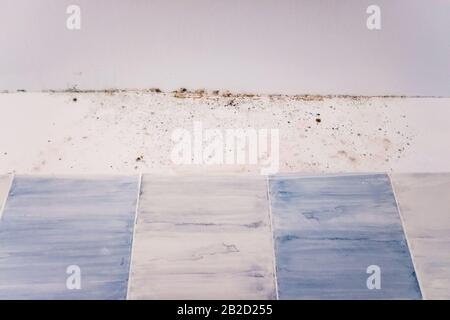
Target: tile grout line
(272, 238)
(134, 234)
(422, 292)
(3, 206)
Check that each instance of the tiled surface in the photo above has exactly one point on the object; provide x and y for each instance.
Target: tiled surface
(329, 229)
(49, 224)
(424, 201)
(5, 182)
(210, 237)
(202, 238)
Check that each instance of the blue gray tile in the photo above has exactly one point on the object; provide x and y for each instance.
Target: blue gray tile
(50, 224)
(329, 229)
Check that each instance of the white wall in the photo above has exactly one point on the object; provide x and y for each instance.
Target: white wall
(265, 46)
